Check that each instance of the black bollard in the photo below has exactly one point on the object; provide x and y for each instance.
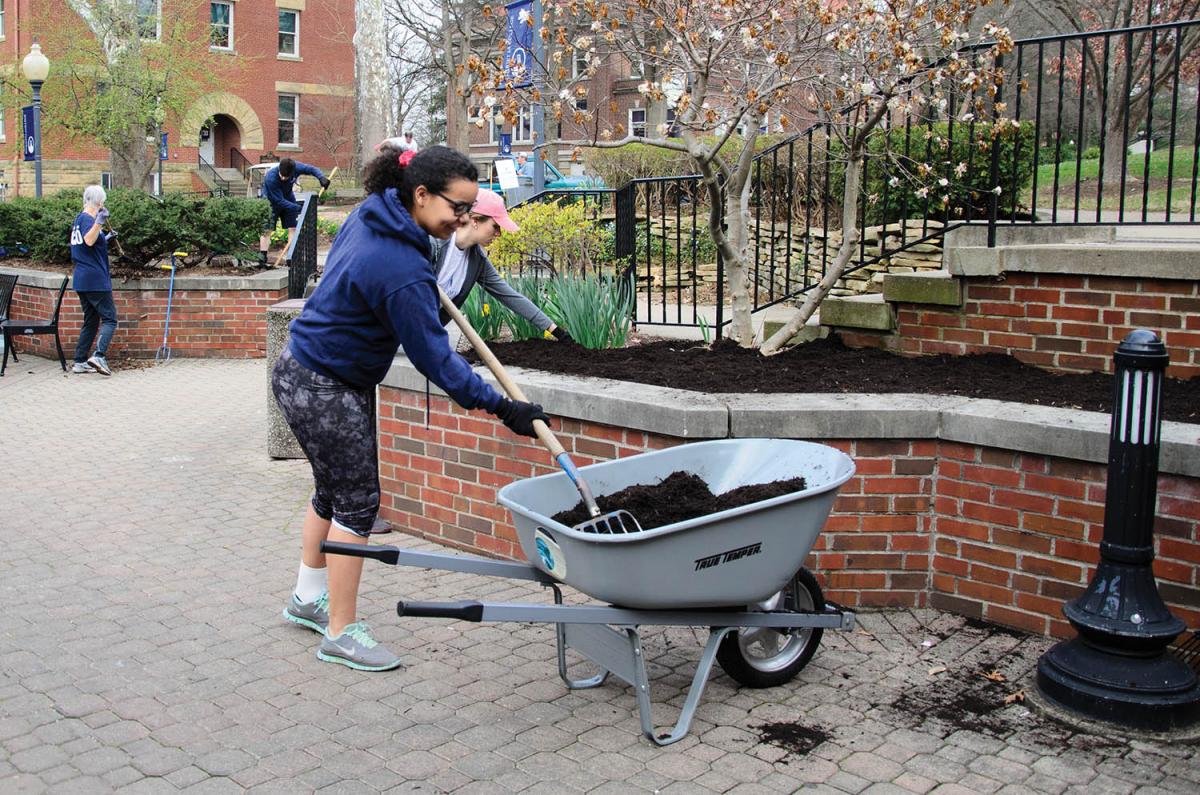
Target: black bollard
(1118, 669)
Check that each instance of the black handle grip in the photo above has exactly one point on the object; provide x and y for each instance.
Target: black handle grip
(464, 611)
(387, 554)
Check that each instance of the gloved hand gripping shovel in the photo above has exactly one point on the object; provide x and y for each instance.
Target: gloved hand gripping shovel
(618, 521)
(164, 351)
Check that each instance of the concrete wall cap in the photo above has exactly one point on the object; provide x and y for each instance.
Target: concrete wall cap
(1043, 430)
(273, 279)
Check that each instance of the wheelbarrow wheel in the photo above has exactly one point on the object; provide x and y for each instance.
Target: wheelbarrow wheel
(764, 657)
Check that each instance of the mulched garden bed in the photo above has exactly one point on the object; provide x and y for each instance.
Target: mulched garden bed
(828, 366)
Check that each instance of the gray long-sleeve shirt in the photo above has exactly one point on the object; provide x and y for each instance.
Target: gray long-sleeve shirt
(480, 269)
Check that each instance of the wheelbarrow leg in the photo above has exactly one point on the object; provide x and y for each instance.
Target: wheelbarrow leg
(560, 635)
(699, 680)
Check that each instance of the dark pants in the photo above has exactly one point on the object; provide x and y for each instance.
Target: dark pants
(98, 311)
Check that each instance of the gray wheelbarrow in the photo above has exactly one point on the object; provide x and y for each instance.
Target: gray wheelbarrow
(738, 572)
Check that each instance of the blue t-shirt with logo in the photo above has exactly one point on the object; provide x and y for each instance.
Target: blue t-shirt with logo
(91, 262)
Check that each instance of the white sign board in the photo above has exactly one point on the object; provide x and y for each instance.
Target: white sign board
(506, 174)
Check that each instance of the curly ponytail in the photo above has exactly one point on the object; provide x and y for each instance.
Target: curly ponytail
(435, 168)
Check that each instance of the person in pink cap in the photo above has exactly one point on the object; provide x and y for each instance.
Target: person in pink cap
(460, 262)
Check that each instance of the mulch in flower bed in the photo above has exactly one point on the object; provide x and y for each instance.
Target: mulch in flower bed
(828, 366)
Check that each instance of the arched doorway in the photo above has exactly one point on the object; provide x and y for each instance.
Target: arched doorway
(217, 138)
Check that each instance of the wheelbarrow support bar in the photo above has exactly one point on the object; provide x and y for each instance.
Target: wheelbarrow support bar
(832, 618)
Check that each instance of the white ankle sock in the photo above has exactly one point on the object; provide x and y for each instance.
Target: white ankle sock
(310, 583)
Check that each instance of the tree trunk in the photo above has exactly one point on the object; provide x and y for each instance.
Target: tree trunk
(1114, 156)
(130, 163)
(372, 84)
(850, 235)
(737, 270)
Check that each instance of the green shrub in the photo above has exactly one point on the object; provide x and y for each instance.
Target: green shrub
(618, 165)
(149, 229)
(1091, 153)
(887, 201)
(565, 234)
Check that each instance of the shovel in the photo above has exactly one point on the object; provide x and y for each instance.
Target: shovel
(618, 521)
(164, 351)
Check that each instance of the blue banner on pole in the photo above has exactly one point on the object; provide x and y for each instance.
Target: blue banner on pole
(162, 147)
(518, 36)
(29, 135)
(506, 144)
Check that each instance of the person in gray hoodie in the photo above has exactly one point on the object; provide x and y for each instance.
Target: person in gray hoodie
(460, 263)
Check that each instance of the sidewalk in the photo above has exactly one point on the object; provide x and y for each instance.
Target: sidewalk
(149, 545)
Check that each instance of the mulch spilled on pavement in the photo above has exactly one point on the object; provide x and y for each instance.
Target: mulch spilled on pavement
(795, 738)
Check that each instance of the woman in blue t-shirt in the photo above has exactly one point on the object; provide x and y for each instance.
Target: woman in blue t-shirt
(91, 281)
(377, 292)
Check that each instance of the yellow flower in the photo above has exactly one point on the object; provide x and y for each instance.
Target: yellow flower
(487, 310)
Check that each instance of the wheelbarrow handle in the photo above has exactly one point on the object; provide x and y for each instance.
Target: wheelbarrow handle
(386, 553)
(464, 610)
(544, 434)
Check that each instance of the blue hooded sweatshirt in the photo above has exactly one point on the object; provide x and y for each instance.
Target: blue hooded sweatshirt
(278, 190)
(378, 292)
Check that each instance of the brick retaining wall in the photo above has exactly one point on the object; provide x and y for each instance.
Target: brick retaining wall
(1061, 322)
(225, 322)
(997, 534)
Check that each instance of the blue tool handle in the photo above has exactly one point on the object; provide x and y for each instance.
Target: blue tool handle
(585, 491)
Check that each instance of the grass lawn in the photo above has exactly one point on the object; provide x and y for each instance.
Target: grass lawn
(1155, 191)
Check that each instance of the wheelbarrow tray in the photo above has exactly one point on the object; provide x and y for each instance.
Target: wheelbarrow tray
(732, 558)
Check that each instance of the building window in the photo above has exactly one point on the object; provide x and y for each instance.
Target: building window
(106, 180)
(148, 13)
(579, 65)
(288, 134)
(289, 32)
(522, 131)
(1, 19)
(581, 103)
(221, 35)
(637, 122)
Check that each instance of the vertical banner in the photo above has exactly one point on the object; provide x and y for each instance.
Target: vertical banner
(29, 133)
(162, 148)
(506, 144)
(518, 51)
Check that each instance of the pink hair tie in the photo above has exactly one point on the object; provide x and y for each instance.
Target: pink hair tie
(406, 157)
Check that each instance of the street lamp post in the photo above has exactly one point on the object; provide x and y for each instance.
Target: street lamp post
(36, 67)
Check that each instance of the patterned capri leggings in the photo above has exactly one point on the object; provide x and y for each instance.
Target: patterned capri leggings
(335, 425)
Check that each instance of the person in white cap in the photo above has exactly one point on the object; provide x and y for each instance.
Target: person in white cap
(460, 262)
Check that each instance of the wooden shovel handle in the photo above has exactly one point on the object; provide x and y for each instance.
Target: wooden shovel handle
(545, 435)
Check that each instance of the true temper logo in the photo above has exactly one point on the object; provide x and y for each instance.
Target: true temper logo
(725, 557)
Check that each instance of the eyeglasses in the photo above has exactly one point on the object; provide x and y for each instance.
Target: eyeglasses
(458, 208)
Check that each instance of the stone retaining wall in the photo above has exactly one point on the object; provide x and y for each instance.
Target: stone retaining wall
(216, 317)
(988, 509)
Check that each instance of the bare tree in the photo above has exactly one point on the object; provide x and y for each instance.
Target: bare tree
(728, 65)
(463, 40)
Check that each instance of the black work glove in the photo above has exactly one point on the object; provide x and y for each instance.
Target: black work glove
(324, 183)
(518, 416)
(562, 335)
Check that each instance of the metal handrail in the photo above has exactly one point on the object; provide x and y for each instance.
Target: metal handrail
(220, 186)
(239, 161)
(301, 254)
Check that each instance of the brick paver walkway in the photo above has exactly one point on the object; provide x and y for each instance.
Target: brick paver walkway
(148, 547)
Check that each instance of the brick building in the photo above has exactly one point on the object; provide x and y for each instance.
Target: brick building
(296, 98)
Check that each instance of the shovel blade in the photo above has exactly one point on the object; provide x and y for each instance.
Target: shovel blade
(614, 523)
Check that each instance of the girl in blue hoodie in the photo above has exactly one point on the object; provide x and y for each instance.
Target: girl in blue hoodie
(378, 292)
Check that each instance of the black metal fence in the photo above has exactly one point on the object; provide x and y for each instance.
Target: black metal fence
(1091, 128)
(301, 254)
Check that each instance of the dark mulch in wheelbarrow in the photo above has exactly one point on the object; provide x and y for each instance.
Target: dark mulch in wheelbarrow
(681, 496)
(829, 366)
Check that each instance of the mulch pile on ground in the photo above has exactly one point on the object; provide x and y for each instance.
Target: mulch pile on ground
(828, 366)
(681, 496)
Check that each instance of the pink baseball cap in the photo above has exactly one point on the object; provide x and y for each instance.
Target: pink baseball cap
(491, 204)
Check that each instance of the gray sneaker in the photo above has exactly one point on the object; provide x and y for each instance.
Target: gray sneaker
(81, 367)
(99, 364)
(357, 649)
(314, 615)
